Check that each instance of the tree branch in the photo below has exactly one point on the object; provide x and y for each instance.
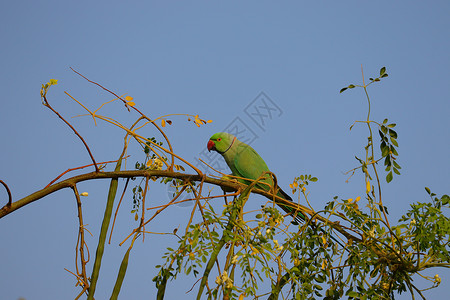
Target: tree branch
(9, 193)
(70, 182)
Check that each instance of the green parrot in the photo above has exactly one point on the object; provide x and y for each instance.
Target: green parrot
(245, 162)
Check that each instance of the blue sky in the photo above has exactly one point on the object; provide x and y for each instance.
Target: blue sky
(211, 59)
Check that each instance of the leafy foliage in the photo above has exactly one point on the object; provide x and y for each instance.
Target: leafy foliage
(235, 252)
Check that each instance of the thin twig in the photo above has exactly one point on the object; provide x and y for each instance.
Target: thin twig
(142, 224)
(144, 116)
(9, 193)
(155, 214)
(117, 210)
(81, 243)
(45, 102)
(78, 168)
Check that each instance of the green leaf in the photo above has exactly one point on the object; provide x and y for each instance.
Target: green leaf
(394, 151)
(392, 125)
(343, 89)
(394, 142)
(382, 71)
(384, 75)
(385, 121)
(389, 177)
(353, 294)
(351, 86)
(396, 171)
(392, 133)
(397, 165)
(428, 190)
(387, 161)
(445, 199)
(384, 150)
(384, 129)
(320, 279)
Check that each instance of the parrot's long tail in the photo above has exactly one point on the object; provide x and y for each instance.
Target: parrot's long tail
(300, 217)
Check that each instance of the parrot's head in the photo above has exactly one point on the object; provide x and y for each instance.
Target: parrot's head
(220, 142)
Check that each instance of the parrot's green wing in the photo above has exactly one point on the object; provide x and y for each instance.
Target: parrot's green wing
(249, 164)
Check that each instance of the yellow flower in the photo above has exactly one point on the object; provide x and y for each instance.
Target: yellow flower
(224, 279)
(277, 246)
(155, 164)
(158, 162)
(229, 283)
(437, 279)
(84, 194)
(234, 259)
(368, 186)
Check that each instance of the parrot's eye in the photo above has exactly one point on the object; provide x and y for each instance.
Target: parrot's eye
(219, 139)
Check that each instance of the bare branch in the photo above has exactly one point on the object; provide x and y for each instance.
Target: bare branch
(45, 102)
(9, 193)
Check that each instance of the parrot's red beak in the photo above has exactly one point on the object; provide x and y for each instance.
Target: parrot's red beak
(211, 145)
